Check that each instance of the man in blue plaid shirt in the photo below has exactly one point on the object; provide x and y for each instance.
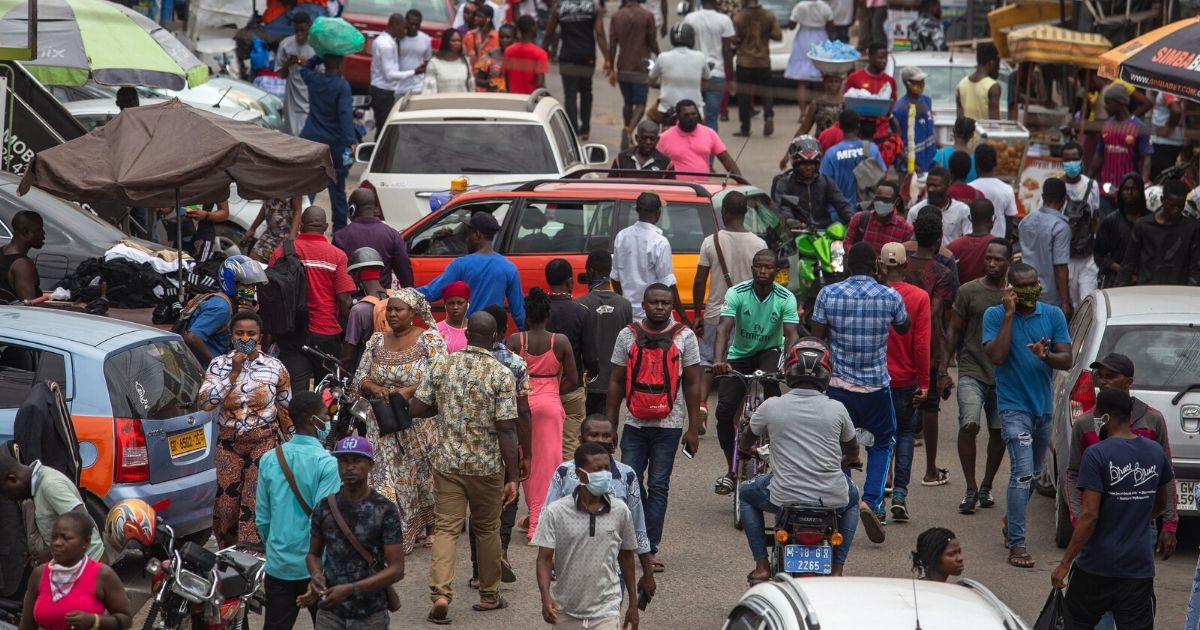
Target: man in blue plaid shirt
(854, 317)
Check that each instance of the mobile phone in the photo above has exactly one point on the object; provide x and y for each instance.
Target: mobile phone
(687, 451)
(643, 599)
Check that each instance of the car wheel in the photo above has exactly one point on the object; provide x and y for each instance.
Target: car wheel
(229, 238)
(1045, 483)
(1062, 521)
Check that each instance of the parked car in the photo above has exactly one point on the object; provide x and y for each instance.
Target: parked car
(226, 91)
(945, 70)
(132, 393)
(1159, 328)
(835, 603)
(490, 138)
(371, 16)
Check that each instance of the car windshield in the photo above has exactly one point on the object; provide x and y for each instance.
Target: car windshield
(431, 10)
(1167, 357)
(249, 97)
(466, 148)
(155, 381)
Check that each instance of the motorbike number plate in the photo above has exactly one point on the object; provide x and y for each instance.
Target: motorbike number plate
(187, 442)
(816, 559)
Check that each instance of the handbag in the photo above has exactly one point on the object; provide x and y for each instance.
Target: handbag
(393, 598)
(1054, 613)
(391, 414)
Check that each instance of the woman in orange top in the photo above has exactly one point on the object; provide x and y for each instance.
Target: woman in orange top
(479, 43)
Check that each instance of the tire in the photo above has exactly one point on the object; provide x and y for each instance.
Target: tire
(229, 238)
(1045, 483)
(152, 616)
(737, 503)
(1062, 522)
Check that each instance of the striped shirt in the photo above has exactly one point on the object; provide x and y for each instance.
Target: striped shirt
(758, 322)
(859, 313)
(325, 268)
(1122, 146)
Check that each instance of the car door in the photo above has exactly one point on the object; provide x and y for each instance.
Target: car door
(546, 229)
(435, 242)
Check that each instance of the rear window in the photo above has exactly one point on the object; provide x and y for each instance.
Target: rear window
(684, 224)
(1167, 357)
(466, 148)
(156, 381)
(431, 10)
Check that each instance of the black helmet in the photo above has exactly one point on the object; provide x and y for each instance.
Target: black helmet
(683, 35)
(805, 148)
(364, 258)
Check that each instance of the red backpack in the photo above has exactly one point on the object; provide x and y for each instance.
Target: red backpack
(653, 372)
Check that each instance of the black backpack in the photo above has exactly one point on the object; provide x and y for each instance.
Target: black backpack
(283, 300)
(1079, 217)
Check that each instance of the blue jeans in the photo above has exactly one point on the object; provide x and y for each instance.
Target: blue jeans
(712, 102)
(337, 190)
(906, 427)
(1193, 607)
(1026, 437)
(872, 411)
(756, 499)
(650, 452)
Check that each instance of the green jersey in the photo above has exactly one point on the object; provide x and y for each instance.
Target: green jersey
(758, 324)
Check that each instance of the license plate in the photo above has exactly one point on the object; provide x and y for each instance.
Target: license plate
(1185, 493)
(816, 559)
(187, 442)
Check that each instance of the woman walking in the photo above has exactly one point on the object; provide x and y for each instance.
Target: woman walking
(552, 372)
(479, 43)
(395, 362)
(813, 19)
(449, 71)
(250, 391)
(72, 591)
(457, 296)
(282, 218)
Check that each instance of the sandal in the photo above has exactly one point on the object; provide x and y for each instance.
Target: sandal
(943, 478)
(499, 604)
(507, 575)
(724, 485)
(428, 542)
(473, 583)
(439, 614)
(1021, 560)
(753, 581)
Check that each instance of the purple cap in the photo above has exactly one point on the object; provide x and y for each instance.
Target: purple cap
(355, 445)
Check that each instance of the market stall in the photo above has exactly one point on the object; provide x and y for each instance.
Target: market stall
(1164, 59)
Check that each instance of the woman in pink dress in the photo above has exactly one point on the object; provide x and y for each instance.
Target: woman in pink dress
(457, 296)
(551, 364)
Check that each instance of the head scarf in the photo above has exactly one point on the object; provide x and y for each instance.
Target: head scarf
(415, 301)
(458, 289)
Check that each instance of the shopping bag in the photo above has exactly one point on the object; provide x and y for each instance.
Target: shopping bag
(334, 36)
(1054, 613)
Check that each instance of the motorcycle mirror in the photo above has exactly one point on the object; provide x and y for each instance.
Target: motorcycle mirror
(1109, 189)
(361, 409)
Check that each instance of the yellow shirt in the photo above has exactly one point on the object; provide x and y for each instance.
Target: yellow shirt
(974, 96)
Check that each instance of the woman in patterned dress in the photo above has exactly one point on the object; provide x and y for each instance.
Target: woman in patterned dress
(395, 362)
(282, 217)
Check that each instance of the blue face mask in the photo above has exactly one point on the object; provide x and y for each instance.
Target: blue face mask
(245, 346)
(599, 482)
(322, 428)
(1072, 169)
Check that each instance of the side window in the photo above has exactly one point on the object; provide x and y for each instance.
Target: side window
(684, 224)
(5, 233)
(564, 140)
(1079, 327)
(22, 366)
(563, 227)
(763, 220)
(447, 236)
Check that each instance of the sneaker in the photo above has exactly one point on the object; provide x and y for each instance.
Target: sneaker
(887, 491)
(985, 498)
(968, 503)
(899, 508)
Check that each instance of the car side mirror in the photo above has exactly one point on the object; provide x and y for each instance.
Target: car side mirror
(596, 153)
(364, 152)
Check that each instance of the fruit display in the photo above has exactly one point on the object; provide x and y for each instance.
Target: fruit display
(1009, 156)
(1011, 140)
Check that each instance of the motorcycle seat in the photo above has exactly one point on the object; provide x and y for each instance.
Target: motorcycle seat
(244, 563)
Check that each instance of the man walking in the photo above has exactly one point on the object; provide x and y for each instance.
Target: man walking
(754, 29)
(367, 229)
(843, 158)
(692, 146)
(1164, 247)
(356, 548)
(1124, 145)
(292, 479)
(644, 154)
(525, 63)
(976, 375)
(491, 277)
(648, 443)
(385, 69)
(714, 37)
(977, 95)
(913, 113)
(969, 249)
(415, 50)
(582, 539)
(293, 52)
(680, 72)
(642, 257)
(582, 24)
(474, 460)
(631, 41)
(1125, 481)
(1083, 216)
(854, 317)
(575, 322)
(1026, 339)
(997, 191)
(956, 216)
(611, 313)
(1046, 245)
(331, 122)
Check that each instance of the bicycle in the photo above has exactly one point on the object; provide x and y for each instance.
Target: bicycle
(745, 469)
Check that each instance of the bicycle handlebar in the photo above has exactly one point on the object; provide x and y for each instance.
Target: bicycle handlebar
(757, 375)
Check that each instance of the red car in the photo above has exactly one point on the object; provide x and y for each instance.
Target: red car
(371, 16)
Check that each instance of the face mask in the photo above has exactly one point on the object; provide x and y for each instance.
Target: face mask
(689, 124)
(598, 482)
(1027, 297)
(884, 208)
(916, 90)
(245, 346)
(936, 198)
(321, 427)
(1072, 169)
(246, 294)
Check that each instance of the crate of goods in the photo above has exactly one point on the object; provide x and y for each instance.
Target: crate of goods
(1011, 141)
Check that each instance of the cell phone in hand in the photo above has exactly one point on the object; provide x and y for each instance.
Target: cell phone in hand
(687, 451)
(643, 599)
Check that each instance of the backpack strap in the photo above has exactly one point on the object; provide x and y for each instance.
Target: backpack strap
(291, 479)
(289, 247)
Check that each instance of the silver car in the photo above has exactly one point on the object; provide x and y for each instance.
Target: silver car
(1159, 328)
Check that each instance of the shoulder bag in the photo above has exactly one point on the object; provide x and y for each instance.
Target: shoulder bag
(391, 413)
(287, 474)
(393, 598)
(721, 259)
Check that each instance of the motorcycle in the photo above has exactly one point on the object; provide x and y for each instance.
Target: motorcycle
(804, 539)
(348, 415)
(819, 254)
(198, 589)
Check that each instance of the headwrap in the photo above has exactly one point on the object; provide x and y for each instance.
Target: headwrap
(415, 301)
(458, 289)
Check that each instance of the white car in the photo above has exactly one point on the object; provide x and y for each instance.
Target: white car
(945, 70)
(489, 138)
(228, 91)
(835, 603)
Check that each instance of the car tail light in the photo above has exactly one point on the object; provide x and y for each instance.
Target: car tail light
(809, 538)
(133, 458)
(1083, 395)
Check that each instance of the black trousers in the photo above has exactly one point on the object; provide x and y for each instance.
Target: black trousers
(577, 86)
(596, 402)
(381, 104)
(1089, 596)
(281, 609)
(754, 82)
(302, 366)
(731, 393)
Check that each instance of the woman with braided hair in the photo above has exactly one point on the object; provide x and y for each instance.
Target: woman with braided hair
(938, 555)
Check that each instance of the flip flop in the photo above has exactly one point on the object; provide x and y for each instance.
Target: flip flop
(439, 614)
(723, 486)
(753, 581)
(1021, 560)
(481, 607)
(943, 478)
(871, 524)
(506, 572)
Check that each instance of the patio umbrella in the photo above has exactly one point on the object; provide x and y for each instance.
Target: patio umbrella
(1163, 59)
(111, 44)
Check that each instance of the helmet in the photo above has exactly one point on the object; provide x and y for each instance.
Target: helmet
(364, 258)
(683, 35)
(805, 148)
(1154, 195)
(808, 360)
(241, 270)
(130, 520)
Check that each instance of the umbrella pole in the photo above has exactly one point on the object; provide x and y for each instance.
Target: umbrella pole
(179, 248)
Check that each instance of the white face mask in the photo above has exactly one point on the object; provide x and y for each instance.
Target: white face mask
(884, 208)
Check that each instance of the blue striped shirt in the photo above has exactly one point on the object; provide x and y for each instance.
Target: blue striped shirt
(859, 311)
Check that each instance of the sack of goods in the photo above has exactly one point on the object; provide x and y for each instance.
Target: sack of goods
(334, 36)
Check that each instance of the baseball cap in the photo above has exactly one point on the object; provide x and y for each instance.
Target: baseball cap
(893, 255)
(355, 445)
(484, 222)
(912, 73)
(1116, 362)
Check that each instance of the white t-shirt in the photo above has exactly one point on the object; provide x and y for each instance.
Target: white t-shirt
(811, 14)
(956, 219)
(414, 51)
(711, 28)
(680, 72)
(843, 12)
(1002, 197)
(1075, 192)
(738, 249)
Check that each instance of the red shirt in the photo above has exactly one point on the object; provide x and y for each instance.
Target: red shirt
(831, 136)
(908, 354)
(963, 193)
(874, 84)
(325, 268)
(968, 250)
(522, 64)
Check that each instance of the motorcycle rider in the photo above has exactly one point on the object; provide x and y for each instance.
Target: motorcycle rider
(813, 446)
(818, 195)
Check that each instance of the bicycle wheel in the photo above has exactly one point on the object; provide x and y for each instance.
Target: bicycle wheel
(737, 502)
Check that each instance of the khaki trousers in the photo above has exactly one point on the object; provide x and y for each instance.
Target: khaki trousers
(453, 495)
(575, 404)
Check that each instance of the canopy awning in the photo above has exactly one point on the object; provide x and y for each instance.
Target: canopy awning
(1051, 44)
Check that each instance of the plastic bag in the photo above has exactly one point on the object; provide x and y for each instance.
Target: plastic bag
(334, 36)
(1054, 613)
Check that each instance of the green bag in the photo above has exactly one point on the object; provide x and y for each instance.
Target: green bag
(334, 36)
